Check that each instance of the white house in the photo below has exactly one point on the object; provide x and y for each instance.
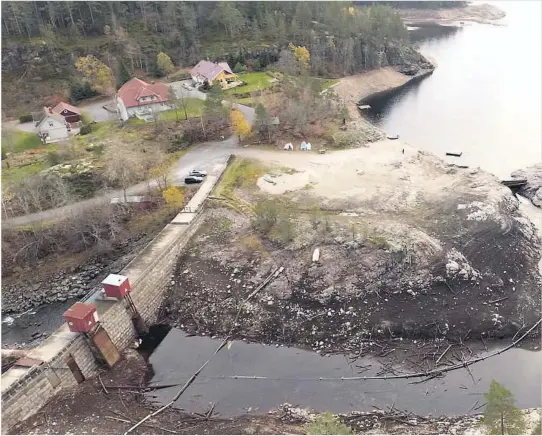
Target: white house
(52, 127)
(137, 98)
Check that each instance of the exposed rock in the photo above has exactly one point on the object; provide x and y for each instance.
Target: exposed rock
(533, 188)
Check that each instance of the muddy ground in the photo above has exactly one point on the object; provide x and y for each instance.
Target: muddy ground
(411, 249)
(88, 409)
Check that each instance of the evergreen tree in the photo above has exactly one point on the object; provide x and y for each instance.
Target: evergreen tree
(501, 416)
(213, 102)
(123, 74)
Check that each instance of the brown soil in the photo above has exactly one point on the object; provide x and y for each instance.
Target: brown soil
(446, 255)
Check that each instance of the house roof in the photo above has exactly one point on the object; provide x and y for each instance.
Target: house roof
(47, 113)
(65, 106)
(135, 88)
(210, 70)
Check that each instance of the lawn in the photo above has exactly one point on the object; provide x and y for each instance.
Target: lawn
(17, 141)
(255, 81)
(194, 106)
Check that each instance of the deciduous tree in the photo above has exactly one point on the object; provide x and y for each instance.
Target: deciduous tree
(173, 196)
(241, 127)
(97, 73)
(164, 64)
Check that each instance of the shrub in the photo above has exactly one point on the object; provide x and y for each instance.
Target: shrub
(326, 423)
(239, 68)
(80, 91)
(52, 158)
(26, 118)
(256, 65)
(266, 215)
(86, 129)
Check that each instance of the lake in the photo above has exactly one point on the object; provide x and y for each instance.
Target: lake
(484, 96)
(293, 375)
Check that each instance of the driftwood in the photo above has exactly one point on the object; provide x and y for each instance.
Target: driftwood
(429, 374)
(222, 345)
(443, 354)
(175, 398)
(102, 383)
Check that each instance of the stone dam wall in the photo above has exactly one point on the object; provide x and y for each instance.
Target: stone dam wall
(25, 389)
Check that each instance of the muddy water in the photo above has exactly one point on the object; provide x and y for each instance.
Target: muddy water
(293, 377)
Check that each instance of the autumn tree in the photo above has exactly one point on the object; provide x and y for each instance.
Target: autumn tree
(302, 57)
(164, 64)
(173, 196)
(501, 416)
(241, 127)
(97, 73)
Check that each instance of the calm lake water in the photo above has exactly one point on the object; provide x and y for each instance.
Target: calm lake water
(483, 99)
(293, 377)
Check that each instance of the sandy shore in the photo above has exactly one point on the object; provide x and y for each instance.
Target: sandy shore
(479, 13)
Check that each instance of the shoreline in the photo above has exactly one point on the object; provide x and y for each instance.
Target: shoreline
(359, 88)
(477, 13)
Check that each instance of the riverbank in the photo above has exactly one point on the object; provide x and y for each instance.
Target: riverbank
(359, 87)
(113, 410)
(479, 13)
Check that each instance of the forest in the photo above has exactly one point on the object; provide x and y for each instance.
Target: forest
(342, 38)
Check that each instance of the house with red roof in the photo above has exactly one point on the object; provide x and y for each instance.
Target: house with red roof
(214, 73)
(137, 98)
(70, 113)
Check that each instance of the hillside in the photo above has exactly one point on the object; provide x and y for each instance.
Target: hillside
(41, 41)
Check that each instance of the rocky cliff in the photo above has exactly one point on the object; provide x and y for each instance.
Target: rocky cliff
(533, 189)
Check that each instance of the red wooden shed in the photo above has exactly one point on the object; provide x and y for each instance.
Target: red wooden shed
(81, 317)
(116, 286)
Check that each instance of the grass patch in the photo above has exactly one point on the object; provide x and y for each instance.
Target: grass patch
(255, 81)
(240, 173)
(326, 423)
(326, 83)
(22, 171)
(247, 101)
(194, 106)
(18, 141)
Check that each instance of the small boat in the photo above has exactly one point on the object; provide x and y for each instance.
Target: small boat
(393, 137)
(363, 107)
(454, 153)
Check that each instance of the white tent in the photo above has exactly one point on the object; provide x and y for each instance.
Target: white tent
(309, 146)
(289, 146)
(303, 146)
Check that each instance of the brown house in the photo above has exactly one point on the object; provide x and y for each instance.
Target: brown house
(70, 113)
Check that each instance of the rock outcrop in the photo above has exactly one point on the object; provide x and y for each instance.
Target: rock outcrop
(533, 189)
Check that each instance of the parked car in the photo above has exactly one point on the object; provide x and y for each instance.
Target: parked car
(198, 173)
(193, 179)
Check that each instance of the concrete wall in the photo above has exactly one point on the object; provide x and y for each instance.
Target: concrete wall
(25, 390)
